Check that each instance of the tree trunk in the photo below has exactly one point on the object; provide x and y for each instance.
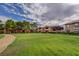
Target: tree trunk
(4, 31)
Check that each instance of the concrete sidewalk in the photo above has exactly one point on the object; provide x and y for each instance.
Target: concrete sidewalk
(6, 41)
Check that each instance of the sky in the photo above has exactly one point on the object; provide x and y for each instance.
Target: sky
(45, 14)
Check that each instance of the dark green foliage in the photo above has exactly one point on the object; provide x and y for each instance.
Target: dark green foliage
(10, 24)
(19, 25)
(26, 25)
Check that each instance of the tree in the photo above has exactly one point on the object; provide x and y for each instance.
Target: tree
(10, 25)
(1, 27)
(19, 25)
(33, 25)
(0, 21)
(1, 24)
(26, 26)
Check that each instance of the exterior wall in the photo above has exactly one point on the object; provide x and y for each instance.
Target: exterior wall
(49, 29)
(76, 29)
(71, 27)
(44, 29)
(40, 30)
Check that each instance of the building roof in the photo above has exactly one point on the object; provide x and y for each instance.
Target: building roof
(72, 22)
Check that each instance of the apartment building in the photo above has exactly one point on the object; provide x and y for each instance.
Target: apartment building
(72, 26)
(50, 29)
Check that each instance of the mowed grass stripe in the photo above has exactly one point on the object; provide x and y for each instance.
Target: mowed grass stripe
(39, 44)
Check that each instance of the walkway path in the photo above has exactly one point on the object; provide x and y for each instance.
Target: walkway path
(6, 41)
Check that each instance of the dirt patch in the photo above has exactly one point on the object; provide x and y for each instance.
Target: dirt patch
(6, 41)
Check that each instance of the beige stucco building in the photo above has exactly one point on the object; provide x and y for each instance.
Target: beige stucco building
(50, 29)
(72, 26)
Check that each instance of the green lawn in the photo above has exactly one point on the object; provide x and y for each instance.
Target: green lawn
(40, 44)
(1, 36)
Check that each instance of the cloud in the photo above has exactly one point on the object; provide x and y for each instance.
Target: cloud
(45, 13)
(70, 19)
(4, 19)
(35, 10)
(64, 12)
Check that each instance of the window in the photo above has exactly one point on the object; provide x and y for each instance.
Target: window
(77, 25)
(76, 29)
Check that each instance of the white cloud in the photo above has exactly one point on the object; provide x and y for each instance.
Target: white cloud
(39, 9)
(4, 19)
(45, 14)
(36, 10)
(73, 3)
(70, 19)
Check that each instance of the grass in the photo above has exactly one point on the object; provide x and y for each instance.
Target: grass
(43, 44)
(1, 36)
